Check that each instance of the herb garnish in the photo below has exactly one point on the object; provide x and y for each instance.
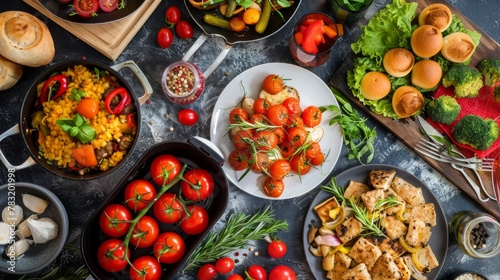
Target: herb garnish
(77, 94)
(77, 127)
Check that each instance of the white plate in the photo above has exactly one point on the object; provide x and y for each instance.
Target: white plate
(312, 90)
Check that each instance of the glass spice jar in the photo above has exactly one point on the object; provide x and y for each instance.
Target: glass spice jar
(182, 82)
(477, 234)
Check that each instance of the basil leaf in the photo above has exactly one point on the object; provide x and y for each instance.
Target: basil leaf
(73, 132)
(79, 120)
(65, 124)
(284, 3)
(77, 94)
(87, 133)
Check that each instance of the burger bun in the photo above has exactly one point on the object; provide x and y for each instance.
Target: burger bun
(398, 62)
(426, 74)
(426, 41)
(375, 85)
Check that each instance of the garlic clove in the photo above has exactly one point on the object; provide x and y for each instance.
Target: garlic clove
(18, 248)
(34, 203)
(12, 215)
(5, 231)
(43, 229)
(23, 230)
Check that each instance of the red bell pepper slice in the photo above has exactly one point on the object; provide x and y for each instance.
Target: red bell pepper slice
(50, 82)
(131, 120)
(125, 101)
(313, 36)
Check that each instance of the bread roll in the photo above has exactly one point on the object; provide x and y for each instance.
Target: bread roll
(407, 101)
(10, 73)
(426, 41)
(375, 85)
(458, 47)
(438, 15)
(398, 62)
(426, 74)
(25, 39)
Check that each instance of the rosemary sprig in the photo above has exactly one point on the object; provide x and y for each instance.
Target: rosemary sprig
(258, 126)
(337, 191)
(240, 229)
(387, 202)
(370, 224)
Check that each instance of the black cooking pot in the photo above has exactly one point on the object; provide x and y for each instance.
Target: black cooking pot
(28, 108)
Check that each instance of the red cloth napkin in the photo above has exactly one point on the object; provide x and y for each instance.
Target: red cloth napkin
(483, 105)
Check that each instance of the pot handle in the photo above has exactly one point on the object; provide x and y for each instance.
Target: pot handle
(148, 90)
(217, 61)
(213, 151)
(29, 162)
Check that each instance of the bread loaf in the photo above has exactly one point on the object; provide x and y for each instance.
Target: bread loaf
(25, 39)
(10, 73)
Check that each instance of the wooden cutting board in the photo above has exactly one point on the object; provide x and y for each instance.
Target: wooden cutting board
(407, 130)
(111, 38)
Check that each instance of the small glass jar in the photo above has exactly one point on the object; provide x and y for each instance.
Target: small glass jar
(343, 14)
(467, 228)
(182, 82)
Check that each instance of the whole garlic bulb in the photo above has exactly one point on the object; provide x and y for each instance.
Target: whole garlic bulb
(43, 229)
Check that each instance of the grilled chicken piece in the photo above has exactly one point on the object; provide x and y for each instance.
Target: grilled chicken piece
(424, 212)
(394, 228)
(348, 230)
(370, 198)
(355, 189)
(342, 264)
(381, 179)
(324, 208)
(394, 209)
(427, 258)
(403, 269)
(363, 251)
(411, 194)
(385, 269)
(418, 233)
(387, 245)
(359, 272)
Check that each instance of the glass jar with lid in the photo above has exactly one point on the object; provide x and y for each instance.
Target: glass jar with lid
(182, 82)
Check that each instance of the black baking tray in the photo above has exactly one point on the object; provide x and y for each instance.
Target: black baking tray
(195, 154)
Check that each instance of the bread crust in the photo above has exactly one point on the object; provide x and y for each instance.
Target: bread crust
(10, 73)
(25, 39)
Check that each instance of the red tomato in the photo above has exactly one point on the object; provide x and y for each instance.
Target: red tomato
(261, 161)
(282, 272)
(312, 116)
(164, 169)
(235, 277)
(238, 115)
(168, 209)
(239, 160)
(265, 140)
(297, 136)
(195, 220)
(138, 194)
(172, 16)
(88, 108)
(276, 249)
(86, 8)
(273, 188)
(115, 220)
(273, 84)
(294, 121)
(197, 185)
(313, 150)
(184, 30)
(281, 134)
(165, 37)
(261, 105)
(111, 255)
(287, 149)
(224, 265)
(277, 114)
(257, 272)
(318, 160)
(279, 169)
(257, 118)
(146, 268)
(241, 139)
(169, 247)
(292, 104)
(108, 5)
(145, 232)
(300, 165)
(187, 116)
(207, 272)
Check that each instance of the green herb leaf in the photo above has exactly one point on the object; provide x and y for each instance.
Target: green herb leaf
(77, 94)
(78, 120)
(65, 124)
(87, 133)
(73, 132)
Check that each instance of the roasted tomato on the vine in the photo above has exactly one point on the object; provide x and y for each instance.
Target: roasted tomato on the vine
(197, 185)
(168, 209)
(165, 37)
(172, 16)
(239, 160)
(169, 247)
(194, 220)
(273, 84)
(145, 232)
(86, 8)
(164, 169)
(139, 193)
(184, 30)
(279, 169)
(277, 114)
(115, 220)
(111, 255)
(145, 268)
(312, 116)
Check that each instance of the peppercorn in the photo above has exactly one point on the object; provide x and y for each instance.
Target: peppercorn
(478, 236)
(180, 80)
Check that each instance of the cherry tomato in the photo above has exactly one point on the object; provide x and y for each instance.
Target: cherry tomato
(257, 118)
(235, 277)
(197, 185)
(257, 272)
(240, 139)
(260, 161)
(184, 30)
(108, 5)
(318, 160)
(168, 209)
(146, 268)
(169, 247)
(237, 24)
(300, 165)
(293, 121)
(172, 16)
(239, 160)
(138, 194)
(297, 136)
(115, 220)
(86, 8)
(277, 114)
(207, 272)
(273, 188)
(224, 265)
(279, 169)
(281, 134)
(187, 116)
(261, 105)
(238, 115)
(164, 169)
(282, 272)
(312, 116)
(313, 150)
(111, 255)
(287, 149)
(292, 104)
(265, 140)
(194, 220)
(88, 108)
(145, 232)
(165, 37)
(276, 249)
(273, 84)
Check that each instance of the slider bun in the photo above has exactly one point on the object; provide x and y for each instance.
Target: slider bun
(426, 41)
(10, 73)
(438, 15)
(458, 47)
(407, 101)
(426, 74)
(398, 62)
(375, 85)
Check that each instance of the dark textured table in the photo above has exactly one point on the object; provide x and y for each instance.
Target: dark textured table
(82, 197)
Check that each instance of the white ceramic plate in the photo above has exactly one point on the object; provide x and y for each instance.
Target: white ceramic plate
(312, 90)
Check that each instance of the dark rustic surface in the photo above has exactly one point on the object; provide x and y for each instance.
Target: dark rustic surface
(81, 198)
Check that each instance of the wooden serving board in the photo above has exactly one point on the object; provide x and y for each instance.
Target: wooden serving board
(407, 130)
(111, 38)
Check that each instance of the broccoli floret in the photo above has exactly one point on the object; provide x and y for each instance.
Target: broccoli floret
(475, 131)
(444, 109)
(467, 80)
(490, 68)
